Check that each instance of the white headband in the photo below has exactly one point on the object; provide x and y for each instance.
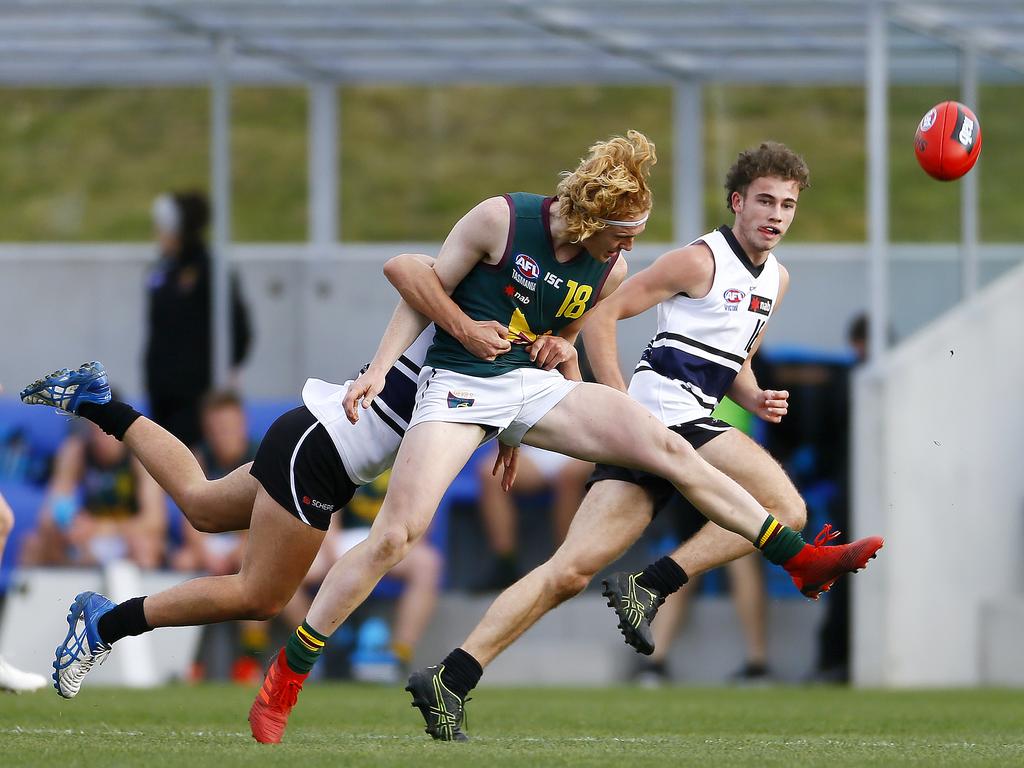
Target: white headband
(615, 223)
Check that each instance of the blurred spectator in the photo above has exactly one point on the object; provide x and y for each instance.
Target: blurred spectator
(420, 573)
(539, 470)
(11, 678)
(746, 585)
(225, 446)
(178, 367)
(102, 506)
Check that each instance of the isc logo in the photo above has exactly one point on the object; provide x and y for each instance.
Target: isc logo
(527, 266)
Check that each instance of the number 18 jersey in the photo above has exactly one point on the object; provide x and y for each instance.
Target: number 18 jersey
(701, 344)
(529, 291)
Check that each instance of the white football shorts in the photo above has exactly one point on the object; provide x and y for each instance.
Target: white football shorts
(511, 403)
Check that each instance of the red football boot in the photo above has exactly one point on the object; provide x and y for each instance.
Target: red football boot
(268, 716)
(815, 568)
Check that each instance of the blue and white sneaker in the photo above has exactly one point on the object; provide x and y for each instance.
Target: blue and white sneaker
(82, 649)
(66, 390)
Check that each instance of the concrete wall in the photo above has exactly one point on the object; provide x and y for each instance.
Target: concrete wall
(939, 437)
(323, 314)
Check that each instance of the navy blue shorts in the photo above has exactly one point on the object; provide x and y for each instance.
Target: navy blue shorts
(298, 465)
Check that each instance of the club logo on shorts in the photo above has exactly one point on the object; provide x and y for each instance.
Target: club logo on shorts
(760, 305)
(460, 399)
(317, 504)
(733, 297)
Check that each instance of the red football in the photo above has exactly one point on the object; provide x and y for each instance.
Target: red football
(948, 141)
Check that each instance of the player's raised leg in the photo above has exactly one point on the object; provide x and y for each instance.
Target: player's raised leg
(211, 506)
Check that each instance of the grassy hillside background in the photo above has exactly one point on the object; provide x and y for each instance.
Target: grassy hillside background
(84, 165)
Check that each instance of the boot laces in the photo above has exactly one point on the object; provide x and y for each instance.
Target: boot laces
(826, 535)
(287, 695)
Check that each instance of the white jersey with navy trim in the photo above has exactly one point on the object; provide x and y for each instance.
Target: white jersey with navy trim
(701, 344)
(368, 447)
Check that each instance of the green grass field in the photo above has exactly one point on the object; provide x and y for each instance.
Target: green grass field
(350, 725)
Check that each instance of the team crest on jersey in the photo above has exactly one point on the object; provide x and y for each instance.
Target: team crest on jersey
(733, 297)
(760, 305)
(460, 399)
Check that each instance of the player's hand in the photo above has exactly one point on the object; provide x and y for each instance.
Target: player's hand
(549, 352)
(773, 404)
(361, 392)
(486, 339)
(508, 461)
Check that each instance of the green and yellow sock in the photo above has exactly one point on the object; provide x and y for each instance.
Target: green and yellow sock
(777, 542)
(303, 648)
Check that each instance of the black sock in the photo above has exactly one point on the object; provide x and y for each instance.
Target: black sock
(461, 672)
(124, 620)
(664, 575)
(114, 417)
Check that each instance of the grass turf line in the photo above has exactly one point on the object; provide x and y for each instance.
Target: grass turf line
(338, 724)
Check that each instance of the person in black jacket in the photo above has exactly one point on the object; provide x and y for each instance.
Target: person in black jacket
(178, 367)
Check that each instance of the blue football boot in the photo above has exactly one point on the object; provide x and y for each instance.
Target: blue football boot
(82, 649)
(66, 390)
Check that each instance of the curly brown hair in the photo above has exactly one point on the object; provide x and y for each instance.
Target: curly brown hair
(770, 159)
(610, 183)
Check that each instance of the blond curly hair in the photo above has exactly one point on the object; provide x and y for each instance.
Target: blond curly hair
(610, 183)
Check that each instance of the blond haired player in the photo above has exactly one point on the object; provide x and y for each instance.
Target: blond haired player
(524, 269)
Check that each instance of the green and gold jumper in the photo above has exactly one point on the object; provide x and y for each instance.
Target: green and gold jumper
(528, 290)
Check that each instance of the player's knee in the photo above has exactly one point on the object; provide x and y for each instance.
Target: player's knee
(790, 511)
(200, 515)
(568, 583)
(389, 544)
(264, 607)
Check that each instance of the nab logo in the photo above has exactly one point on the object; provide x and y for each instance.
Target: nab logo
(733, 296)
(527, 267)
(760, 305)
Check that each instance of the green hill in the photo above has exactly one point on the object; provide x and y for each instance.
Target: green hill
(84, 165)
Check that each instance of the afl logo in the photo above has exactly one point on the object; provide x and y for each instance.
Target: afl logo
(733, 296)
(927, 121)
(527, 266)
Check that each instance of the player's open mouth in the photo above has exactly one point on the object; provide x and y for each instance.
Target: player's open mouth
(771, 231)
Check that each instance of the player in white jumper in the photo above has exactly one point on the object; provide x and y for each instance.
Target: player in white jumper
(714, 299)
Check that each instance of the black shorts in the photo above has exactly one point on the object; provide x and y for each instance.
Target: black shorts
(298, 465)
(696, 433)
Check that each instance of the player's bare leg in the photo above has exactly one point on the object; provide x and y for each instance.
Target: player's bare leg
(750, 465)
(278, 553)
(210, 506)
(612, 516)
(600, 424)
(431, 455)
